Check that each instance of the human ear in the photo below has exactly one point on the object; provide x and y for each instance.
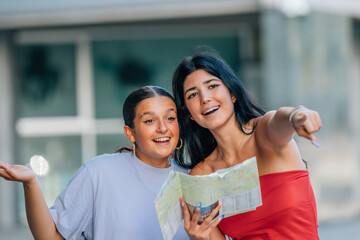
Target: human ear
(129, 133)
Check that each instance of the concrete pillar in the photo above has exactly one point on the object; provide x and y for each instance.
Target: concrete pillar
(279, 78)
(354, 100)
(309, 60)
(7, 133)
(305, 59)
(85, 97)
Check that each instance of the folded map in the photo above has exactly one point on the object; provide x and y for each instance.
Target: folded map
(238, 188)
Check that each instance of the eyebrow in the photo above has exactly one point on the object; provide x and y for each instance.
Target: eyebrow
(153, 113)
(205, 82)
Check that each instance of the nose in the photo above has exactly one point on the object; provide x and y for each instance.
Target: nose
(204, 97)
(162, 128)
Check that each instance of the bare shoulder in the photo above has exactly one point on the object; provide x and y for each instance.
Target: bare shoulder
(262, 121)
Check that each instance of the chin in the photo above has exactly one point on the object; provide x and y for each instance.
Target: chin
(213, 125)
(162, 154)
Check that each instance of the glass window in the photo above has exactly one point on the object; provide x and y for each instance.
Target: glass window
(63, 158)
(46, 80)
(109, 143)
(124, 65)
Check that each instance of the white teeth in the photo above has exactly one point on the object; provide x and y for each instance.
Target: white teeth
(210, 110)
(161, 139)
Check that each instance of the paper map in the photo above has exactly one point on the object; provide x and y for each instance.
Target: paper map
(238, 188)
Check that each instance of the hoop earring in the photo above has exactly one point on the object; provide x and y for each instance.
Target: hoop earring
(181, 144)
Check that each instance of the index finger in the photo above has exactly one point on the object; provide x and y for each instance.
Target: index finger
(196, 214)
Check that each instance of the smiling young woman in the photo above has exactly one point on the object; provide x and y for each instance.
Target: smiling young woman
(112, 196)
(216, 102)
(221, 127)
(155, 132)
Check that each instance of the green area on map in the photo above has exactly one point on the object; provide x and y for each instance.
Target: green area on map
(208, 189)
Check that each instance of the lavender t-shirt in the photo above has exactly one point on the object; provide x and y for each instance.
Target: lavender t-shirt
(112, 197)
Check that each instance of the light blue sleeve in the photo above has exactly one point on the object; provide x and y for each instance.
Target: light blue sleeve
(73, 208)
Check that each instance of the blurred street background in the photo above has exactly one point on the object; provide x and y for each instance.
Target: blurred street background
(67, 66)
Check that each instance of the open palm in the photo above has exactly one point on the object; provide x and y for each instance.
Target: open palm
(17, 173)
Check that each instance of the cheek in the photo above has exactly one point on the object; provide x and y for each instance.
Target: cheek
(191, 106)
(142, 134)
(222, 91)
(225, 95)
(139, 141)
(174, 129)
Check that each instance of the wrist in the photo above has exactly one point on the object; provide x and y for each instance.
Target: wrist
(292, 114)
(31, 182)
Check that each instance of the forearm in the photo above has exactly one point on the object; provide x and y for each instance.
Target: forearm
(279, 127)
(39, 218)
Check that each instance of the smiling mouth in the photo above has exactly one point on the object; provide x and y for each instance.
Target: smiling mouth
(162, 140)
(211, 110)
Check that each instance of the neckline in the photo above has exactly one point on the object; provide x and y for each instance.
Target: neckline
(285, 172)
(142, 164)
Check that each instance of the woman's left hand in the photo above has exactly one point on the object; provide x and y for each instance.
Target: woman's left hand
(203, 231)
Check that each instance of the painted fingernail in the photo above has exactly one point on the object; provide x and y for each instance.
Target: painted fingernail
(221, 217)
(315, 144)
(199, 206)
(218, 207)
(181, 201)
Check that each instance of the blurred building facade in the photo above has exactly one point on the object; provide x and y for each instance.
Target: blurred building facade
(66, 68)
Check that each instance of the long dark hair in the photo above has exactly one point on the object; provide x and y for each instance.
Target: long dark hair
(133, 100)
(198, 141)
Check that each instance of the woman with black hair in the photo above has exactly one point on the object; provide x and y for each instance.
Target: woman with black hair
(112, 196)
(221, 127)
